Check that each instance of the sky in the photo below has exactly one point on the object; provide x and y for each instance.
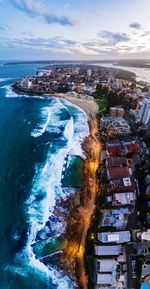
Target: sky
(74, 29)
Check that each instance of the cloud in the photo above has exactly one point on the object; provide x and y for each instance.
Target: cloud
(4, 28)
(36, 9)
(146, 33)
(113, 37)
(107, 44)
(135, 25)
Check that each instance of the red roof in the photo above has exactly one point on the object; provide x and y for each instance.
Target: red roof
(115, 151)
(133, 148)
(119, 172)
(118, 189)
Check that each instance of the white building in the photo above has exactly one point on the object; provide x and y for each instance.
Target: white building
(89, 72)
(144, 113)
(26, 83)
(114, 237)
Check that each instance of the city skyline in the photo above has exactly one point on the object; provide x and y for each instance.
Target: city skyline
(69, 30)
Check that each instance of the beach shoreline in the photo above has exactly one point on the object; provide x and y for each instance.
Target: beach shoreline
(78, 208)
(89, 106)
(80, 215)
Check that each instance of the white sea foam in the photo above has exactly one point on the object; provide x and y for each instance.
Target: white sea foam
(38, 132)
(47, 182)
(10, 93)
(4, 79)
(38, 271)
(47, 179)
(81, 129)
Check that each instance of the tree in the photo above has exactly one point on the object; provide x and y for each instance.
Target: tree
(145, 89)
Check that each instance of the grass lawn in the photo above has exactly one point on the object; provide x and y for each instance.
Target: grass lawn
(102, 105)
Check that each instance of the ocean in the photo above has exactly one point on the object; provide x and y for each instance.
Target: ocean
(36, 135)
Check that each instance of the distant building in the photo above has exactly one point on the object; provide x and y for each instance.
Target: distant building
(26, 83)
(144, 113)
(89, 72)
(115, 237)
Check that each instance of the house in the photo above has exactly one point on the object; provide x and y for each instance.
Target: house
(118, 172)
(105, 265)
(108, 273)
(115, 218)
(111, 250)
(132, 148)
(145, 276)
(114, 126)
(115, 237)
(122, 199)
(145, 236)
(115, 151)
(122, 185)
(116, 161)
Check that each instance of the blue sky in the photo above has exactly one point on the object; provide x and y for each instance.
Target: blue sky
(74, 29)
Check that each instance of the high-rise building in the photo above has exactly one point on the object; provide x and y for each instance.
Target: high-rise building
(142, 110)
(89, 72)
(144, 113)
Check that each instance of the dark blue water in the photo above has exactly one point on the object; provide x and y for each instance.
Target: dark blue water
(35, 136)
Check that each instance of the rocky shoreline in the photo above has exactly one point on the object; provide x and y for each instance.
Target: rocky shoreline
(76, 212)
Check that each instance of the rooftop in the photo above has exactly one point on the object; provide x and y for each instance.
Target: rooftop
(114, 218)
(106, 265)
(114, 250)
(118, 172)
(115, 237)
(126, 198)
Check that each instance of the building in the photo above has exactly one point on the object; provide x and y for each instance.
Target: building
(113, 250)
(144, 113)
(105, 265)
(110, 275)
(122, 199)
(121, 185)
(116, 161)
(116, 112)
(145, 236)
(115, 237)
(26, 83)
(118, 172)
(145, 276)
(89, 72)
(115, 218)
(115, 126)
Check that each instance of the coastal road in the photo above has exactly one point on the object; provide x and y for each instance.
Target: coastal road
(92, 165)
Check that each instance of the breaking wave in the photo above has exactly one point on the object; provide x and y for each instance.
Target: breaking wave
(46, 183)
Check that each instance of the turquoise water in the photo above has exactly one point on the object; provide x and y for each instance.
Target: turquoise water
(35, 137)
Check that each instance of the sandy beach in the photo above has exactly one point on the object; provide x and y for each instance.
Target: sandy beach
(89, 106)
